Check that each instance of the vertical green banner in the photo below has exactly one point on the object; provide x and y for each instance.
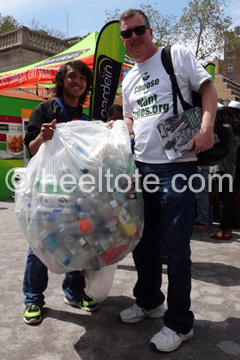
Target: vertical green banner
(210, 68)
(108, 61)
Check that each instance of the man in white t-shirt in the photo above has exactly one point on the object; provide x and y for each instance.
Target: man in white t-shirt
(168, 201)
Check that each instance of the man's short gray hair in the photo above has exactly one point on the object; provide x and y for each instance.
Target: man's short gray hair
(130, 13)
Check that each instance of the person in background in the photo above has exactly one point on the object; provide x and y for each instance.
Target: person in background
(73, 82)
(226, 169)
(236, 194)
(203, 212)
(115, 112)
(168, 211)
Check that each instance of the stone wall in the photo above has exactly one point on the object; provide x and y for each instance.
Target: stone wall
(23, 46)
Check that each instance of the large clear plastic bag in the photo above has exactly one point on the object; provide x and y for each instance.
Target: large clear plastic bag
(78, 204)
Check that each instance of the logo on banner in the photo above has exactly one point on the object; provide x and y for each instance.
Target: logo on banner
(64, 57)
(106, 85)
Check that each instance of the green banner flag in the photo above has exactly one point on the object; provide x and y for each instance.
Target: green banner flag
(108, 61)
(210, 68)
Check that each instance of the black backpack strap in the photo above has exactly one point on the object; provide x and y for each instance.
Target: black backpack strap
(167, 60)
(168, 65)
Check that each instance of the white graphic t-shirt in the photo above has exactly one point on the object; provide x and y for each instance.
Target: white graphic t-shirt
(147, 97)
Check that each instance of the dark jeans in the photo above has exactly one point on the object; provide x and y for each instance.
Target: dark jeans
(169, 218)
(36, 280)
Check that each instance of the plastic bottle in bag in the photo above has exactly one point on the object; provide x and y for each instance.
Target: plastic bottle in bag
(28, 215)
(107, 249)
(111, 183)
(101, 245)
(84, 243)
(84, 204)
(112, 253)
(113, 230)
(56, 213)
(80, 249)
(119, 166)
(31, 226)
(55, 200)
(105, 212)
(131, 200)
(72, 229)
(23, 208)
(117, 194)
(47, 185)
(72, 244)
(89, 222)
(96, 159)
(50, 243)
(127, 225)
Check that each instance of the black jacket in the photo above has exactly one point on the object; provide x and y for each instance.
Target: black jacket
(46, 112)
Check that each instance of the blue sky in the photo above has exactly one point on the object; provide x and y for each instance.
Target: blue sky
(78, 18)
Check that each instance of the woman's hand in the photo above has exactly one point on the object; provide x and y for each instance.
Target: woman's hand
(46, 133)
(110, 124)
(47, 130)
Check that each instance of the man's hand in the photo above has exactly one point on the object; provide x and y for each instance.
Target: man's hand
(202, 141)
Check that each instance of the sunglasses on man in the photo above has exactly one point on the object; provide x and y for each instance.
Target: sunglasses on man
(139, 30)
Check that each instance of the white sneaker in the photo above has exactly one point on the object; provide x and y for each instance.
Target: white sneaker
(135, 313)
(168, 340)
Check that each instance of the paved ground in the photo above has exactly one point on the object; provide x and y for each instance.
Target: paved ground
(68, 333)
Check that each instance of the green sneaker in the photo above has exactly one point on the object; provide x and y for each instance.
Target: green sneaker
(32, 314)
(84, 303)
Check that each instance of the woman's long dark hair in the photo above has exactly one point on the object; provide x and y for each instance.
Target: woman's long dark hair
(61, 73)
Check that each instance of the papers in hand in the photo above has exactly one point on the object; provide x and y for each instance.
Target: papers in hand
(177, 131)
